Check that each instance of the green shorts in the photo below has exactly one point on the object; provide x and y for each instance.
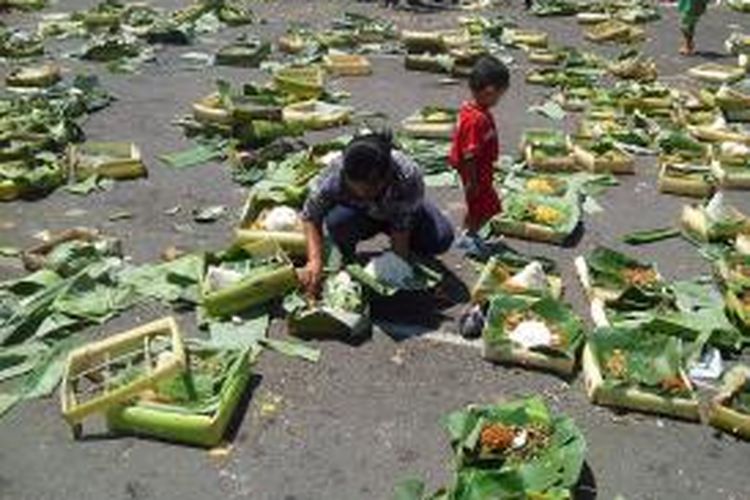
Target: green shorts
(690, 11)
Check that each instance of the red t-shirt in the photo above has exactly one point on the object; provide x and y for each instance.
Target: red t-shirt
(476, 137)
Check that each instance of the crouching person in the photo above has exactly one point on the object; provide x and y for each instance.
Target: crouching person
(368, 190)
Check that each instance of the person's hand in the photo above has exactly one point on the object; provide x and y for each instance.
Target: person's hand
(311, 277)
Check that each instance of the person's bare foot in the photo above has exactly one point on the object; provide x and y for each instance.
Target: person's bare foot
(688, 47)
(686, 50)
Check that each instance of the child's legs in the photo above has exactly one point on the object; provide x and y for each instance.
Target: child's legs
(348, 226)
(432, 232)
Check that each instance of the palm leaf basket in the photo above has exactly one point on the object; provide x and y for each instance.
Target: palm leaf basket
(499, 269)
(677, 177)
(260, 272)
(530, 217)
(113, 160)
(614, 161)
(193, 407)
(696, 222)
(559, 355)
(317, 115)
(107, 372)
(347, 65)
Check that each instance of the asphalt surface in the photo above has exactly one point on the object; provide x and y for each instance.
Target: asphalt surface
(366, 416)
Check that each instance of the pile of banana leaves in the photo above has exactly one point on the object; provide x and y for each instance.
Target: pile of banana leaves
(634, 294)
(518, 449)
(35, 130)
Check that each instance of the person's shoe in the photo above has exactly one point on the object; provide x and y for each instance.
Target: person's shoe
(471, 244)
(471, 323)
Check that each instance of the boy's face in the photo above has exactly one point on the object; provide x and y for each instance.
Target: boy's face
(489, 96)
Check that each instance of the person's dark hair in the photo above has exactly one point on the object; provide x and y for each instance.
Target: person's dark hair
(367, 158)
(489, 71)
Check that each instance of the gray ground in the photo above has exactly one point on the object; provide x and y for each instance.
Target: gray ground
(363, 417)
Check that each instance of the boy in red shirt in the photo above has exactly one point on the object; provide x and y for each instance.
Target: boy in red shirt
(476, 148)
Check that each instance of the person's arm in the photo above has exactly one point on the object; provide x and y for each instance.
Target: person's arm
(318, 204)
(312, 274)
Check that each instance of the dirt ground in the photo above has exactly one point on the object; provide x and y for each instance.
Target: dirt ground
(352, 425)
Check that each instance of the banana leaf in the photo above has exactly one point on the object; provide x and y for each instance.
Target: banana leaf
(552, 460)
(651, 236)
(69, 252)
(175, 281)
(94, 295)
(608, 270)
(640, 359)
(739, 5)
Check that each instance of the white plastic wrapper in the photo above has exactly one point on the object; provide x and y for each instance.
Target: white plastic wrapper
(716, 209)
(531, 277)
(531, 334)
(391, 269)
(281, 218)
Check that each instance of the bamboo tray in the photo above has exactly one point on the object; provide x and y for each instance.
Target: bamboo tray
(529, 231)
(494, 276)
(566, 163)
(632, 398)
(593, 292)
(42, 76)
(347, 65)
(254, 289)
(94, 366)
(293, 243)
(168, 422)
(415, 126)
(529, 38)
(700, 185)
(526, 358)
(9, 190)
(208, 110)
(301, 82)
(114, 160)
(717, 73)
(430, 63)
(731, 176)
(623, 163)
(243, 54)
(695, 222)
(323, 322)
(544, 56)
(722, 416)
(291, 44)
(317, 115)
